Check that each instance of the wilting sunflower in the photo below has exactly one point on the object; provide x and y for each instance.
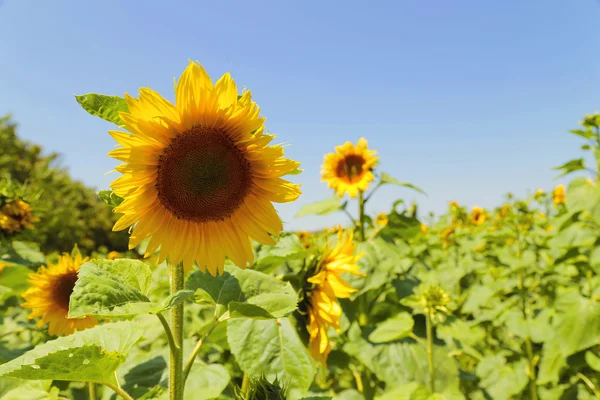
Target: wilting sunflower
(199, 177)
(16, 216)
(350, 168)
(48, 296)
(324, 310)
(478, 216)
(559, 195)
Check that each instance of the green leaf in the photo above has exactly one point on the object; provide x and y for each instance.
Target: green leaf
(581, 196)
(116, 288)
(110, 198)
(571, 166)
(18, 389)
(501, 380)
(587, 134)
(15, 277)
(578, 325)
(273, 348)
(388, 179)
(237, 287)
(103, 106)
(397, 327)
(92, 355)
(206, 382)
(592, 360)
(269, 258)
(322, 207)
(400, 226)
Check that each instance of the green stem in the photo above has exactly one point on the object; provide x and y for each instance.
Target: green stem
(92, 390)
(176, 361)
(170, 339)
(190, 361)
(430, 351)
(118, 390)
(361, 214)
(245, 382)
(589, 384)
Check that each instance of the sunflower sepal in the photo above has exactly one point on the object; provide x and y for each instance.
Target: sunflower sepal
(92, 355)
(103, 106)
(243, 294)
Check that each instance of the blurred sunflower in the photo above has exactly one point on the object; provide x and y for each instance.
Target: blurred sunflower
(424, 229)
(303, 236)
(350, 168)
(478, 216)
(199, 177)
(113, 255)
(16, 216)
(324, 310)
(559, 195)
(49, 294)
(538, 194)
(381, 219)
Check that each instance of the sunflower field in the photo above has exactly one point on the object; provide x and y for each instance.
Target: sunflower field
(179, 283)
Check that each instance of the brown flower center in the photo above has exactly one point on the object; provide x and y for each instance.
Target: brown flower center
(203, 176)
(350, 168)
(63, 289)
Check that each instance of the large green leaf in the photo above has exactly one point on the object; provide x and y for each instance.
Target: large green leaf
(272, 348)
(397, 327)
(18, 389)
(582, 196)
(206, 382)
(103, 106)
(270, 258)
(91, 355)
(578, 325)
(117, 289)
(322, 207)
(500, 379)
(15, 277)
(244, 293)
(387, 179)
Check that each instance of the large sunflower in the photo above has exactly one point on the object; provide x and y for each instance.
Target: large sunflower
(350, 168)
(199, 177)
(49, 294)
(324, 310)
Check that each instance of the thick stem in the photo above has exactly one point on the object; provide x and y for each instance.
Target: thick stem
(190, 361)
(92, 390)
(361, 214)
(176, 362)
(430, 351)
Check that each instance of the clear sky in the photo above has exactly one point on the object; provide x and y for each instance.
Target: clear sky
(467, 99)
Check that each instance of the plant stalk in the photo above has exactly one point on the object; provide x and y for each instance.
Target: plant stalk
(428, 321)
(176, 381)
(92, 390)
(245, 382)
(190, 361)
(361, 214)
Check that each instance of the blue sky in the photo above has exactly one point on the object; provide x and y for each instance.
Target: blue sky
(467, 99)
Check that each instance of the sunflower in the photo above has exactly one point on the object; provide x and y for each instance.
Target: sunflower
(49, 294)
(478, 216)
(303, 236)
(558, 195)
(350, 168)
(424, 229)
(199, 177)
(381, 219)
(538, 194)
(324, 310)
(16, 216)
(113, 255)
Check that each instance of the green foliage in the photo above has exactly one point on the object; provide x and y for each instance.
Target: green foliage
(103, 106)
(69, 212)
(322, 207)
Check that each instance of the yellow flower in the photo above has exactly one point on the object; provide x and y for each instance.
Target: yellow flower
(48, 296)
(381, 219)
(350, 168)
(478, 216)
(480, 248)
(199, 177)
(558, 195)
(542, 215)
(445, 235)
(453, 204)
(16, 216)
(505, 210)
(549, 228)
(324, 310)
(113, 255)
(335, 229)
(538, 194)
(303, 236)
(424, 228)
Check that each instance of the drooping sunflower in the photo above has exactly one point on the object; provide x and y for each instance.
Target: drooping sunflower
(49, 294)
(199, 177)
(324, 310)
(350, 168)
(559, 195)
(16, 216)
